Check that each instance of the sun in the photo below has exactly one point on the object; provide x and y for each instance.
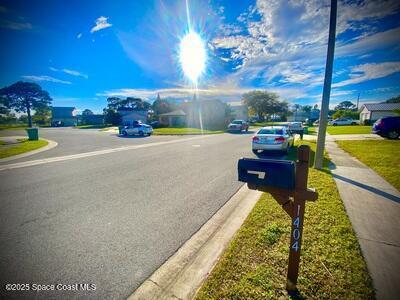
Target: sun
(192, 56)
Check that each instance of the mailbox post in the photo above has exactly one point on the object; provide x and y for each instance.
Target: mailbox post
(287, 182)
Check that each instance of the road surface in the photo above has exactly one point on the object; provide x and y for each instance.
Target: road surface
(110, 219)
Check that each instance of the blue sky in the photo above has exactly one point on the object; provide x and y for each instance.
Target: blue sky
(84, 51)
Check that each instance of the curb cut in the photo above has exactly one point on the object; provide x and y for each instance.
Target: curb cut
(51, 144)
(183, 273)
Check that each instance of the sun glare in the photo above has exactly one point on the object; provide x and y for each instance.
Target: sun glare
(192, 56)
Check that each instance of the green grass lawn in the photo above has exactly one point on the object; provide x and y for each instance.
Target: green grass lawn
(183, 131)
(255, 264)
(351, 129)
(12, 127)
(24, 146)
(312, 130)
(383, 156)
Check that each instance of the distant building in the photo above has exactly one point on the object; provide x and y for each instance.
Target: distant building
(240, 112)
(63, 116)
(129, 115)
(174, 118)
(210, 114)
(298, 116)
(373, 111)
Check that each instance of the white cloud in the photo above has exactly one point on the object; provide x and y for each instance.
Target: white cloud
(45, 78)
(287, 43)
(101, 23)
(380, 40)
(15, 25)
(79, 35)
(370, 71)
(70, 72)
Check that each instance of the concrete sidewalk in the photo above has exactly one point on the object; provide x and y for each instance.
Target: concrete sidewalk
(373, 206)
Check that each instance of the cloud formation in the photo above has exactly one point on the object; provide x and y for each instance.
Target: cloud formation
(370, 71)
(45, 78)
(15, 25)
(101, 23)
(70, 72)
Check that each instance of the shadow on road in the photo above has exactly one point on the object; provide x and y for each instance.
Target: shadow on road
(131, 136)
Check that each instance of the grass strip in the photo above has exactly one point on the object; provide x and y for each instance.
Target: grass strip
(383, 156)
(24, 146)
(255, 264)
(352, 129)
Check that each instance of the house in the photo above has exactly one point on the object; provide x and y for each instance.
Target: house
(370, 112)
(64, 116)
(240, 112)
(208, 114)
(298, 116)
(129, 115)
(174, 118)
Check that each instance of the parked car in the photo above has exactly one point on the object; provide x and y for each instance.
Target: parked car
(137, 129)
(57, 124)
(387, 127)
(274, 138)
(343, 121)
(238, 125)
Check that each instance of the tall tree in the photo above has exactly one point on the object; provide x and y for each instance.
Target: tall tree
(161, 106)
(42, 116)
(87, 112)
(393, 100)
(25, 97)
(346, 105)
(263, 103)
(130, 102)
(307, 108)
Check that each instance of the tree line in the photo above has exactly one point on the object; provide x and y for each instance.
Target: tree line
(29, 97)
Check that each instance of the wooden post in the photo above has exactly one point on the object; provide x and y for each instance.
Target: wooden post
(300, 195)
(294, 208)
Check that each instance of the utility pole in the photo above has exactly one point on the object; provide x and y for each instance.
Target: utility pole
(358, 100)
(323, 118)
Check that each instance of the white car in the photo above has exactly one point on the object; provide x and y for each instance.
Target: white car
(137, 129)
(273, 138)
(343, 121)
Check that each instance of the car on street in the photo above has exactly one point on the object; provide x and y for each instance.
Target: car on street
(296, 128)
(137, 129)
(387, 127)
(238, 125)
(343, 121)
(272, 138)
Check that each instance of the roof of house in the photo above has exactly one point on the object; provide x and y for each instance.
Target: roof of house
(381, 106)
(62, 112)
(175, 113)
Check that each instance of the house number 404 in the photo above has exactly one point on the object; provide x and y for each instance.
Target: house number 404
(296, 231)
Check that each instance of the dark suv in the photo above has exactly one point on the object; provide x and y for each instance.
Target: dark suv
(387, 127)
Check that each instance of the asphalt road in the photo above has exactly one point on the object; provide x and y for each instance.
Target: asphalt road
(110, 219)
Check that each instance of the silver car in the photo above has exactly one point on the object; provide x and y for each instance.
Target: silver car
(137, 129)
(272, 138)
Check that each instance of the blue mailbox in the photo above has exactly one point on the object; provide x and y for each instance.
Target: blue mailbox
(267, 172)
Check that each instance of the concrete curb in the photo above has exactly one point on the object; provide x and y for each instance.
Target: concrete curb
(183, 273)
(51, 144)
